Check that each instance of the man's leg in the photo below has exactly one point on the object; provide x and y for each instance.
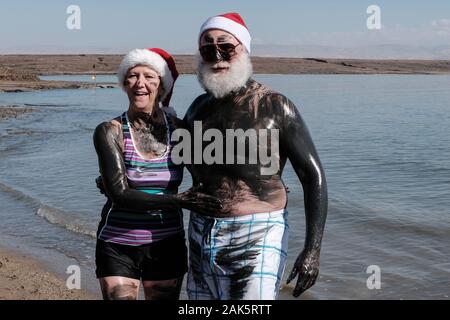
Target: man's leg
(199, 283)
(267, 275)
(249, 255)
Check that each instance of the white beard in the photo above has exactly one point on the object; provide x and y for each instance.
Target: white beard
(221, 84)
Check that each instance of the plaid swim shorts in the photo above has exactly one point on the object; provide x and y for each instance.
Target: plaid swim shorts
(237, 258)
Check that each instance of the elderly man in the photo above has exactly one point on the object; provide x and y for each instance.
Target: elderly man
(239, 252)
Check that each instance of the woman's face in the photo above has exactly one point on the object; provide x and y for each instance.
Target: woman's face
(142, 85)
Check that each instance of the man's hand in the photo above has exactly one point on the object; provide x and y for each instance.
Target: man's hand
(307, 268)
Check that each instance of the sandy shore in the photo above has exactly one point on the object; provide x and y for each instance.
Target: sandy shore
(20, 72)
(22, 278)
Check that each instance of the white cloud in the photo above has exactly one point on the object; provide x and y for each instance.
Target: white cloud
(441, 26)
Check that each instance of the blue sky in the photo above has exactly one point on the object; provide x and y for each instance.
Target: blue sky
(117, 26)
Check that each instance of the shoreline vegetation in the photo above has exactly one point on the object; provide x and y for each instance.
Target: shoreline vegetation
(19, 73)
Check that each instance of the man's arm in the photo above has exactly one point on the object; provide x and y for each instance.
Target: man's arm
(113, 172)
(297, 144)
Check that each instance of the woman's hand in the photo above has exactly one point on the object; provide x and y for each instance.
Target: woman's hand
(199, 202)
(192, 199)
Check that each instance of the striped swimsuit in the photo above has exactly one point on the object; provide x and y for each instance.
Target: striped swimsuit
(155, 176)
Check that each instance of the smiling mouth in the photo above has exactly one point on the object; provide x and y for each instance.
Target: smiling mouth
(139, 94)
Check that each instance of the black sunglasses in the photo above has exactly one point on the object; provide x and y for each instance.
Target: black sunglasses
(218, 52)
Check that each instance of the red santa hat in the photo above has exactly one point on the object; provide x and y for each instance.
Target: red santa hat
(157, 59)
(230, 22)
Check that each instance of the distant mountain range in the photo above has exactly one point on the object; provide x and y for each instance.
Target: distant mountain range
(388, 51)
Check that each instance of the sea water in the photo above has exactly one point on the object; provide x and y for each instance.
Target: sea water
(384, 142)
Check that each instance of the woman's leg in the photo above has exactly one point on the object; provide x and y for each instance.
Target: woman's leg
(119, 288)
(163, 289)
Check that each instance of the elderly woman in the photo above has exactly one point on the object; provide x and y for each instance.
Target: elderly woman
(141, 235)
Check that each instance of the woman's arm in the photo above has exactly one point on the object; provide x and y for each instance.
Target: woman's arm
(113, 172)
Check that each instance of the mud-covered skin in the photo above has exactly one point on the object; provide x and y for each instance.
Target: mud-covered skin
(108, 142)
(242, 188)
(120, 288)
(149, 134)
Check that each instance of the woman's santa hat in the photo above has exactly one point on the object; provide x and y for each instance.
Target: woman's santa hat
(229, 22)
(157, 59)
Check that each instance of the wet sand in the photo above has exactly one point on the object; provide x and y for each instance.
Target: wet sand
(20, 72)
(22, 278)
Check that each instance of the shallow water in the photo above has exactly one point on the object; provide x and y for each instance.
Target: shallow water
(383, 141)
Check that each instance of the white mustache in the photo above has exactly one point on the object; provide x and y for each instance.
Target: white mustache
(222, 64)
